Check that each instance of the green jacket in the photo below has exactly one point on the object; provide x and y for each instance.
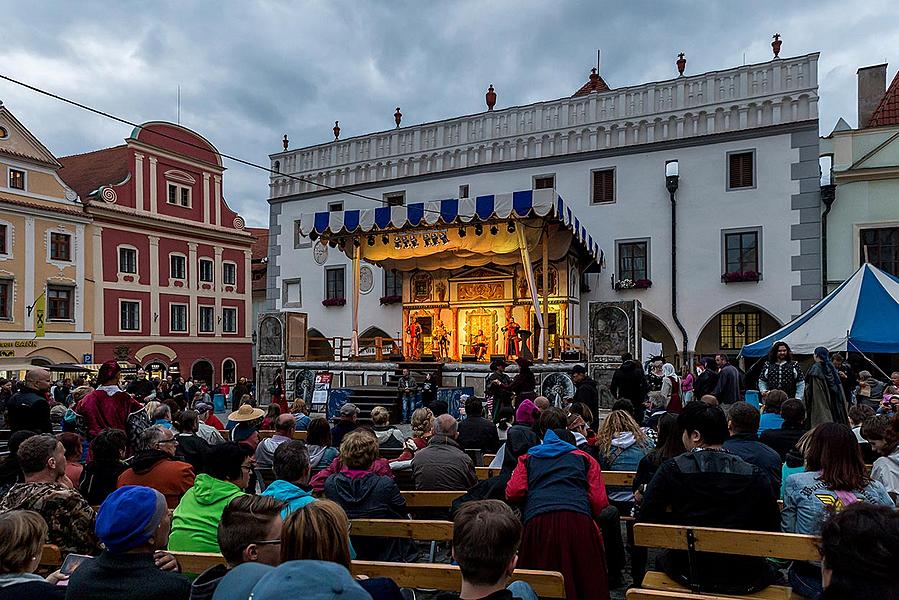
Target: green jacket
(196, 519)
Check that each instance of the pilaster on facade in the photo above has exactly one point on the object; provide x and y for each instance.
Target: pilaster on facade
(139, 179)
(29, 291)
(154, 187)
(207, 207)
(218, 199)
(192, 268)
(154, 284)
(219, 287)
(249, 325)
(80, 292)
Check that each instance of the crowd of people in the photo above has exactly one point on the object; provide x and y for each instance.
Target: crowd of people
(132, 479)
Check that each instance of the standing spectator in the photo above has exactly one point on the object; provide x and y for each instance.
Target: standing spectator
(249, 532)
(783, 440)
(155, 466)
(525, 382)
(6, 391)
(771, 418)
(823, 396)
(707, 380)
(743, 425)
(28, 408)
(710, 487)
(486, 537)
(209, 426)
(781, 372)
(22, 535)
(629, 382)
(562, 490)
(621, 445)
(847, 376)
(197, 516)
(238, 392)
(655, 377)
(134, 526)
(496, 386)
(61, 391)
(101, 473)
(141, 387)
(284, 425)
(727, 389)
(388, 435)
(443, 464)
(671, 388)
(349, 413)
(476, 432)
(10, 471)
(107, 406)
(72, 443)
(321, 448)
(586, 392)
(291, 468)
(407, 387)
(834, 479)
(300, 414)
(686, 384)
(428, 389)
(883, 434)
(69, 517)
(658, 407)
(858, 414)
(191, 446)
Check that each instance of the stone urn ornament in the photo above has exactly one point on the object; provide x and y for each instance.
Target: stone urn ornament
(285, 142)
(490, 96)
(336, 130)
(397, 116)
(681, 64)
(776, 44)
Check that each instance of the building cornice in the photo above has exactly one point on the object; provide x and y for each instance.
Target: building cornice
(133, 219)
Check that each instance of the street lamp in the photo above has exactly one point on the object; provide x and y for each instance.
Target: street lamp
(672, 180)
(254, 338)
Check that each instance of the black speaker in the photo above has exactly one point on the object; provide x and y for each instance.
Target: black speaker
(571, 356)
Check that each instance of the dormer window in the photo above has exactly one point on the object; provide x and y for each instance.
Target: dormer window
(179, 195)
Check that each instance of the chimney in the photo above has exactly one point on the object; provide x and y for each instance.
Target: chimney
(872, 83)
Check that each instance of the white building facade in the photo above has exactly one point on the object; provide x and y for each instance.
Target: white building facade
(748, 204)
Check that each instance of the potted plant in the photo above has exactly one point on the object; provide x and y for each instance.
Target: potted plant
(632, 284)
(386, 300)
(334, 302)
(739, 276)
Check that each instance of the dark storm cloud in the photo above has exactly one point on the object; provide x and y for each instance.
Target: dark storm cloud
(251, 71)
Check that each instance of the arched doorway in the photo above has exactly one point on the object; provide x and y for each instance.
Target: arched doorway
(367, 341)
(653, 330)
(202, 370)
(319, 346)
(731, 328)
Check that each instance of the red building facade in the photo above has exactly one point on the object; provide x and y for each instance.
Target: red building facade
(172, 260)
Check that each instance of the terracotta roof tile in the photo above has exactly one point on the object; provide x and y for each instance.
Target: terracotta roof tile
(260, 246)
(887, 112)
(84, 173)
(594, 84)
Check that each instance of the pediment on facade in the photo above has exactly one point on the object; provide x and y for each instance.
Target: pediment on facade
(18, 143)
(479, 273)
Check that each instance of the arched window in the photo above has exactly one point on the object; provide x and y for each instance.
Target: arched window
(229, 371)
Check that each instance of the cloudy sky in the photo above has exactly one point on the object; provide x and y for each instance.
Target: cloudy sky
(251, 71)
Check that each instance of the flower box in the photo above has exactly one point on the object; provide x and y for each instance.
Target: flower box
(385, 300)
(334, 302)
(633, 284)
(738, 276)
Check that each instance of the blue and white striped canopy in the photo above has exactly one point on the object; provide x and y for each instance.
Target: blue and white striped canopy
(517, 205)
(862, 315)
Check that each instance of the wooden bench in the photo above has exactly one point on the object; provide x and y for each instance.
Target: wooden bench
(485, 473)
(623, 478)
(423, 530)
(488, 458)
(637, 594)
(266, 433)
(417, 499)
(51, 557)
(763, 544)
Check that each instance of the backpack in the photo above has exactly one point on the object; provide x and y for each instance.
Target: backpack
(136, 423)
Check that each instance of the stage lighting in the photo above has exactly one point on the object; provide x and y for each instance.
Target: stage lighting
(462, 232)
(371, 240)
(443, 238)
(357, 242)
(478, 229)
(494, 230)
(414, 242)
(511, 227)
(385, 239)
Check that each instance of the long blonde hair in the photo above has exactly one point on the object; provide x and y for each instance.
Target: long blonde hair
(317, 531)
(618, 421)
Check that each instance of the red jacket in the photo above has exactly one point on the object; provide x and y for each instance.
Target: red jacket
(102, 411)
(213, 421)
(379, 467)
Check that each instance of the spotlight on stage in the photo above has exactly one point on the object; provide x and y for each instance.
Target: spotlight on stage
(462, 232)
(371, 240)
(385, 239)
(397, 244)
(511, 227)
(357, 242)
(414, 242)
(478, 229)
(427, 241)
(494, 230)
(443, 238)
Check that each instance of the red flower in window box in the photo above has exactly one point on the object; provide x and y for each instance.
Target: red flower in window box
(633, 284)
(385, 300)
(738, 276)
(334, 302)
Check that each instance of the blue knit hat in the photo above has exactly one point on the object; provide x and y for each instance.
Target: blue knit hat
(129, 517)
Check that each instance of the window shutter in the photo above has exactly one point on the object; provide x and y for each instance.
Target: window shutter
(604, 186)
(741, 170)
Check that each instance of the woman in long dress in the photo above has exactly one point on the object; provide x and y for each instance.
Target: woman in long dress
(823, 396)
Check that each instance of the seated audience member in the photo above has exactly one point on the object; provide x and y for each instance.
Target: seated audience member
(347, 423)
(834, 478)
(248, 415)
(271, 415)
(364, 494)
(318, 441)
(869, 391)
(627, 406)
(284, 426)
(711, 487)
(317, 580)
(162, 416)
(658, 407)
(319, 531)
(541, 402)
(155, 466)
(74, 449)
(422, 429)
(486, 537)
(476, 432)
(743, 423)
(526, 413)
(211, 422)
(443, 464)
(858, 414)
(860, 550)
(890, 404)
(505, 417)
(68, 515)
(771, 418)
(783, 440)
(621, 445)
(709, 399)
(196, 518)
(300, 414)
(101, 474)
(10, 471)
(883, 434)
(22, 535)
(192, 447)
(250, 531)
(795, 461)
(388, 435)
(134, 525)
(291, 467)
(380, 466)
(584, 438)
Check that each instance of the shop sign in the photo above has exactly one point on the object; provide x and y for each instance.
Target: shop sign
(18, 344)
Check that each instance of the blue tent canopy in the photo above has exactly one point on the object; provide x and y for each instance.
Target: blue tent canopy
(862, 315)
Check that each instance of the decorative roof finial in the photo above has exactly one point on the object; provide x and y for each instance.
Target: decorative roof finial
(490, 96)
(286, 142)
(681, 63)
(397, 116)
(336, 130)
(775, 45)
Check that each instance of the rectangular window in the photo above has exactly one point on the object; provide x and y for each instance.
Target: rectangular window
(5, 299)
(229, 273)
(60, 246)
(178, 317)
(880, 247)
(129, 315)
(544, 182)
(300, 240)
(741, 252)
(463, 191)
(4, 232)
(207, 319)
(179, 195)
(633, 261)
(334, 283)
(393, 282)
(740, 170)
(127, 260)
(292, 293)
(17, 179)
(395, 198)
(177, 267)
(229, 320)
(335, 206)
(738, 329)
(59, 303)
(603, 186)
(206, 270)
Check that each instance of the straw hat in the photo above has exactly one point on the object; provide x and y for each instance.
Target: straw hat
(246, 413)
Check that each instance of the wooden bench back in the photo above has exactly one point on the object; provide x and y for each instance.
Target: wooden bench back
(425, 530)
(264, 433)
(625, 478)
(766, 544)
(636, 594)
(415, 499)
(51, 557)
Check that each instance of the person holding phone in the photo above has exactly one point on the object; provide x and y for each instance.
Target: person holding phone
(22, 534)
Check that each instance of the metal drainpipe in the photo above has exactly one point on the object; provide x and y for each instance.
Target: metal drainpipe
(671, 183)
(828, 197)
